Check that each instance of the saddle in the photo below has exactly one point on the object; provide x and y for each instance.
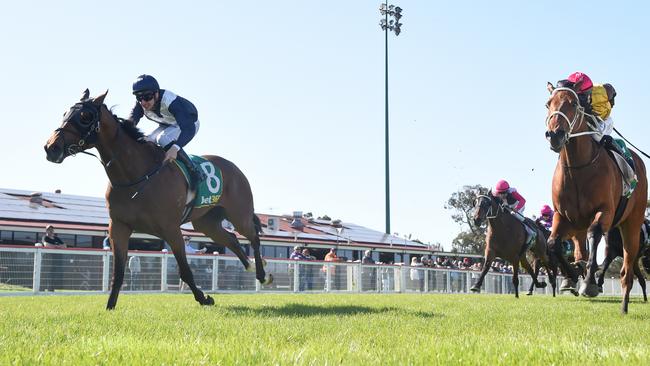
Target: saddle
(623, 159)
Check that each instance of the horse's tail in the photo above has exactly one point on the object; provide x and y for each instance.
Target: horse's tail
(257, 223)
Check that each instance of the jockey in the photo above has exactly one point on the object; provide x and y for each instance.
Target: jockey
(546, 217)
(516, 203)
(177, 120)
(598, 100)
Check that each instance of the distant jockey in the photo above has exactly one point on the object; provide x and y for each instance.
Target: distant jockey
(546, 217)
(516, 203)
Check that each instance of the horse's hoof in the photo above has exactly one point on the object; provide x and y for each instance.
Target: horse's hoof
(268, 280)
(530, 293)
(600, 289)
(475, 289)
(209, 301)
(588, 289)
(567, 285)
(541, 285)
(574, 292)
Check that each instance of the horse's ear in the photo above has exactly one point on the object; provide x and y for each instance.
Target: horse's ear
(85, 94)
(100, 98)
(549, 87)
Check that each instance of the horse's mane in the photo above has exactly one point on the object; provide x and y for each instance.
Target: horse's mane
(137, 135)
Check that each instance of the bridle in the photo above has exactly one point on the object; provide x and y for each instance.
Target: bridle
(85, 116)
(577, 118)
(489, 214)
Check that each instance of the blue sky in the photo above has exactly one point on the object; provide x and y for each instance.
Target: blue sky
(293, 93)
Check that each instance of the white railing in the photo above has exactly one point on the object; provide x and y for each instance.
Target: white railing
(38, 270)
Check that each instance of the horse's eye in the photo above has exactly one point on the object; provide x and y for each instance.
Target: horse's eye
(547, 105)
(86, 117)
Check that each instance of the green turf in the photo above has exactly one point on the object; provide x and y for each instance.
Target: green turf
(323, 329)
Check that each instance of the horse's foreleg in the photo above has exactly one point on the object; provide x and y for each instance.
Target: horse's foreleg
(589, 288)
(184, 271)
(515, 277)
(601, 278)
(119, 234)
(630, 234)
(487, 262)
(559, 231)
(534, 273)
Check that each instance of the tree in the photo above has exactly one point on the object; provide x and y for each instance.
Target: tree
(472, 238)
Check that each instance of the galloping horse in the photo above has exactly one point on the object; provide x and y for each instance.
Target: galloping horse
(614, 249)
(148, 196)
(506, 239)
(587, 189)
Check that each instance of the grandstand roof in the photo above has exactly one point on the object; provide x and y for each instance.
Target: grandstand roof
(18, 209)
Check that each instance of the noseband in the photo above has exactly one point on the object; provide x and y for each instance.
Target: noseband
(490, 214)
(577, 117)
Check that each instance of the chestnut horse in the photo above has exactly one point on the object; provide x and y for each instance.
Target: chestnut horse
(148, 196)
(505, 238)
(587, 189)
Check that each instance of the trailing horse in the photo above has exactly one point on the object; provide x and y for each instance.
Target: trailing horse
(614, 249)
(588, 192)
(506, 239)
(148, 196)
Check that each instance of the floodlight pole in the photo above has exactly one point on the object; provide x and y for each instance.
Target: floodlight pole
(387, 25)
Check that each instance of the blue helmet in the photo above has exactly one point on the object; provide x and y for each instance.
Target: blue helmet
(145, 83)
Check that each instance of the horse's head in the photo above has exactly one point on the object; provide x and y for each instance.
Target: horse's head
(79, 129)
(565, 113)
(485, 207)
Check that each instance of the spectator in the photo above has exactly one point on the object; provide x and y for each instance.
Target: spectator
(134, 269)
(296, 255)
(106, 244)
(52, 263)
(309, 270)
(367, 257)
(416, 273)
(369, 275)
(189, 249)
(332, 257)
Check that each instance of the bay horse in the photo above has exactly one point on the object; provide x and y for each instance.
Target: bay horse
(506, 239)
(587, 189)
(146, 195)
(614, 249)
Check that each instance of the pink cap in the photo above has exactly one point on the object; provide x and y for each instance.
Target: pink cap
(502, 186)
(578, 77)
(546, 210)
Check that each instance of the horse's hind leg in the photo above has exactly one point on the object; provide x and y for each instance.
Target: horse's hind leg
(210, 225)
(119, 234)
(630, 234)
(536, 266)
(515, 277)
(641, 278)
(247, 224)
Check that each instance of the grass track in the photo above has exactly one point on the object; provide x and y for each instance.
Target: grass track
(323, 329)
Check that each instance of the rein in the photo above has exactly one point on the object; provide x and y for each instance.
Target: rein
(91, 134)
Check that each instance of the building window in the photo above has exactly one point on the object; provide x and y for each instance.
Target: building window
(84, 241)
(23, 237)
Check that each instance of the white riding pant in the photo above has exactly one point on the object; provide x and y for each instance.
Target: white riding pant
(166, 134)
(605, 127)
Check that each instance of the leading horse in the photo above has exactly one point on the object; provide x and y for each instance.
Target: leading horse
(587, 190)
(149, 196)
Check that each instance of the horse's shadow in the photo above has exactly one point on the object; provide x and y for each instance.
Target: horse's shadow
(308, 310)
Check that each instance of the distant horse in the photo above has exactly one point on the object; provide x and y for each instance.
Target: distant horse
(148, 196)
(537, 264)
(614, 249)
(506, 239)
(587, 190)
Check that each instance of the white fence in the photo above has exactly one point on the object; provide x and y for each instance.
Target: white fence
(37, 270)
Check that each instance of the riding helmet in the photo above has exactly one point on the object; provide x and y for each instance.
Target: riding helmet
(502, 186)
(145, 83)
(578, 77)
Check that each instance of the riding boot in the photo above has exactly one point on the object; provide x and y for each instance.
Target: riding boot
(196, 175)
(610, 144)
